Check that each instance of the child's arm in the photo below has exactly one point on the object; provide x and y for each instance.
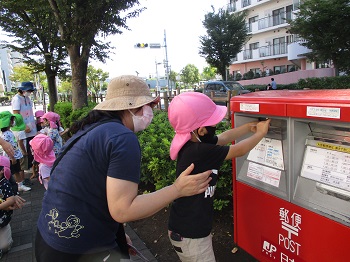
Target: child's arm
(244, 146)
(12, 202)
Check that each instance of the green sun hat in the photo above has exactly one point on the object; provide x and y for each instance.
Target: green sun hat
(20, 125)
(5, 119)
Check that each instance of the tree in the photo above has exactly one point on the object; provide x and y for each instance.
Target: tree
(325, 27)
(22, 74)
(209, 73)
(35, 36)
(81, 25)
(226, 35)
(190, 74)
(95, 78)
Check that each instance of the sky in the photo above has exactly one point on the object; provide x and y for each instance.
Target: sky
(181, 20)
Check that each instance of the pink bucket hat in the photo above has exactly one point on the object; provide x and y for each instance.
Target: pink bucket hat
(38, 114)
(42, 146)
(53, 118)
(189, 111)
(5, 162)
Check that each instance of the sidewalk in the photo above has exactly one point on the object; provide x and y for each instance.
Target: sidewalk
(23, 227)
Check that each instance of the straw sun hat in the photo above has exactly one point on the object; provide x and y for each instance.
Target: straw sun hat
(126, 92)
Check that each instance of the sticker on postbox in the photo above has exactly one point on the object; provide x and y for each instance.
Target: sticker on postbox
(326, 112)
(264, 174)
(331, 167)
(268, 152)
(249, 107)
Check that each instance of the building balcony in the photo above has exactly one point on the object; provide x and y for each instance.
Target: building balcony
(264, 52)
(297, 51)
(270, 22)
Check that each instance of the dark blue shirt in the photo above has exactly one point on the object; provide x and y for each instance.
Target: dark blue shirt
(5, 192)
(75, 216)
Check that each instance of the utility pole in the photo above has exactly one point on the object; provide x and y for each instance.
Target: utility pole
(166, 62)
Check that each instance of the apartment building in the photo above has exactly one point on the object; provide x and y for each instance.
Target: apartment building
(272, 49)
(8, 59)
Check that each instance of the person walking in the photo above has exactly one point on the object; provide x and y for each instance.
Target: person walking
(22, 104)
(93, 186)
(194, 117)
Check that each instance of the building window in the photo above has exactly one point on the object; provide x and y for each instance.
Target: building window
(289, 10)
(251, 21)
(254, 46)
(278, 16)
(245, 3)
(279, 69)
(291, 68)
(279, 46)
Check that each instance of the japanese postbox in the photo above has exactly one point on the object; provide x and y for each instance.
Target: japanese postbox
(292, 191)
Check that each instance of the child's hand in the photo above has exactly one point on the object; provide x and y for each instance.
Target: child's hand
(19, 202)
(252, 126)
(263, 127)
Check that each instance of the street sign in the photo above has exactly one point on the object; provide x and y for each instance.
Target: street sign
(154, 45)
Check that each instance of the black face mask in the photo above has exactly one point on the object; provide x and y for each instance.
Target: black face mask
(210, 137)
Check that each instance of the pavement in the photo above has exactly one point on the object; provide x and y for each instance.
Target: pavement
(23, 225)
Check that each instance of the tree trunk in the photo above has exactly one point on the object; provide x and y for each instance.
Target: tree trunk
(51, 80)
(79, 64)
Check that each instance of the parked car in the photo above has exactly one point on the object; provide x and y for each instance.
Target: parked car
(220, 88)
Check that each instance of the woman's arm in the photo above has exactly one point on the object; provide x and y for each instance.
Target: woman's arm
(126, 205)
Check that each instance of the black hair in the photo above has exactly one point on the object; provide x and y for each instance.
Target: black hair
(93, 117)
(272, 79)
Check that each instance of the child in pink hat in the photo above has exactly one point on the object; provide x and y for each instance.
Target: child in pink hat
(42, 146)
(52, 129)
(194, 117)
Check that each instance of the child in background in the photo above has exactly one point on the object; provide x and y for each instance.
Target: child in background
(194, 117)
(7, 120)
(39, 121)
(20, 136)
(52, 127)
(39, 126)
(8, 202)
(42, 146)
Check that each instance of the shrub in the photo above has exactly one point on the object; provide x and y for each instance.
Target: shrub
(238, 77)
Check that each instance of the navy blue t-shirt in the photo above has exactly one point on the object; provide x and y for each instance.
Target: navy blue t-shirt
(5, 192)
(75, 216)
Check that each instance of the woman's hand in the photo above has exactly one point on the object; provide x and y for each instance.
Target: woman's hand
(188, 185)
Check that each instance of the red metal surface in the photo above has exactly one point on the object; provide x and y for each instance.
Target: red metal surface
(257, 221)
(260, 230)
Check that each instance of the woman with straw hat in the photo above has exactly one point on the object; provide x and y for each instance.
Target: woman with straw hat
(93, 187)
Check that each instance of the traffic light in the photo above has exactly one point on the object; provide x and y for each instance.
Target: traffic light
(141, 45)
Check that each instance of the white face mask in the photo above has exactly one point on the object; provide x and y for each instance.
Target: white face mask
(142, 122)
(26, 94)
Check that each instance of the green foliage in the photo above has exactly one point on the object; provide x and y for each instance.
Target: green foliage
(68, 115)
(248, 75)
(190, 74)
(156, 166)
(325, 27)
(226, 35)
(209, 73)
(220, 204)
(337, 82)
(95, 78)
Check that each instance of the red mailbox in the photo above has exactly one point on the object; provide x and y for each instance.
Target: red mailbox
(292, 191)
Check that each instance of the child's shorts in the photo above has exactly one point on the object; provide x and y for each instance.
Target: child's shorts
(15, 168)
(24, 163)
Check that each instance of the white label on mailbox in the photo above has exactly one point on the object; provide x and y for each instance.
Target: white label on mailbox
(249, 107)
(268, 152)
(328, 112)
(327, 166)
(264, 174)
